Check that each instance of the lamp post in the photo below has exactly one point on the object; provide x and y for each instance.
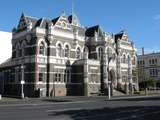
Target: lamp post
(109, 81)
(22, 81)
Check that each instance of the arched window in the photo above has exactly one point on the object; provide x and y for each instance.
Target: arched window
(100, 53)
(59, 50)
(124, 59)
(128, 59)
(42, 49)
(78, 53)
(23, 48)
(18, 51)
(85, 52)
(134, 61)
(66, 54)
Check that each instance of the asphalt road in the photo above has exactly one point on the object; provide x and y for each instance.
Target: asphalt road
(141, 108)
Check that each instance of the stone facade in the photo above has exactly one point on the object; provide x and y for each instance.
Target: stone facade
(149, 66)
(60, 57)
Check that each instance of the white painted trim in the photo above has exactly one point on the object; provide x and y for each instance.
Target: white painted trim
(60, 67)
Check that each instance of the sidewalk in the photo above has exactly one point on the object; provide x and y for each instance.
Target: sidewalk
(7, 100)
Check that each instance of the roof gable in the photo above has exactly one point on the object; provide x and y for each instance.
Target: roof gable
(90, 32)
(61, 22)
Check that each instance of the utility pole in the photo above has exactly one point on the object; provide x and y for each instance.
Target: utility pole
(22, 82)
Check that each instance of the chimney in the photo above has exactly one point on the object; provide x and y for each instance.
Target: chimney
(142, 50)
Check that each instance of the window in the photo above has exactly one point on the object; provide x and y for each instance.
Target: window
(153, 72)
(59, 50)
(143, 62)
(59, 75)
(100, 53)
(124, 59)
(41, 77)
(152, 61)
(134, 61)
(128, 59)
(67, 76)
(78, 53)
(155, 61)
(18, 51)
(124, 78)
(42, 49)
(23, 48)
(66, 54)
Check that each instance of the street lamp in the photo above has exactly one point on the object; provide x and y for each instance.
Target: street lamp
(22, 81)
(110, 57)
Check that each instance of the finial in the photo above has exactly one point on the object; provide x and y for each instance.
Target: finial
(63, 13)
(72, 7)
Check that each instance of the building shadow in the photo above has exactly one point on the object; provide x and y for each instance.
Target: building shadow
(106, 113)
(139, 99)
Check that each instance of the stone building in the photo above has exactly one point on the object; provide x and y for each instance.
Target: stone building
(149, 66)
(60, 57)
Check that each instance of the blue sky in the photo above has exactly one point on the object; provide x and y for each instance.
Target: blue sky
(141, 18)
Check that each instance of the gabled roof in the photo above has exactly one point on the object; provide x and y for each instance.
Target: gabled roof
(31, 19)
(27, 19)
(43, 23)
(90, 32)
(38, 23)
(120, 35)
(73, 19)
(55, 20)
(70, 18)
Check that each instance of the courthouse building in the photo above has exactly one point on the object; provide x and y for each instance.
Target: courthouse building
(60, 57)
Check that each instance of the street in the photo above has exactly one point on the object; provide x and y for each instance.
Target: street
(82, 108)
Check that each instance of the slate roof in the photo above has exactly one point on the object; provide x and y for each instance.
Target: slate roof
(118, 36)
(55, 20)
(6, 63)
(70, 18)
(91, 31)
(31, 19)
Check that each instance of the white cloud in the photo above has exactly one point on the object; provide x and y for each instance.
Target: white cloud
(5, 46)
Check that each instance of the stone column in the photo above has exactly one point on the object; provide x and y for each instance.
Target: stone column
(105, 71)
(130, 76)
(85, 74)
(49, 88)
(119, 75)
